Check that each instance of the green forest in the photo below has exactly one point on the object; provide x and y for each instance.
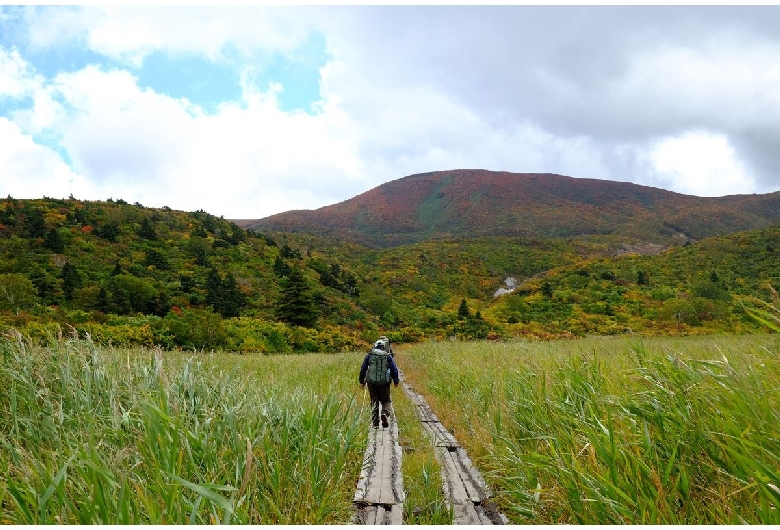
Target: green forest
(129, 275)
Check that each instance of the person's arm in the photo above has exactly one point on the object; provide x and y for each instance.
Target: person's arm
(363, 370)
(393, 370)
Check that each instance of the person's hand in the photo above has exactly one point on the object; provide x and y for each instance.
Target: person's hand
(396, 385)
(362, 385)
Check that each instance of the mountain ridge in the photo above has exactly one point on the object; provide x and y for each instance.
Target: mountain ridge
(479, 203)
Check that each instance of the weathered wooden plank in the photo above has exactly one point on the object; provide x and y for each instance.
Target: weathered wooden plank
(473, 492)
(476, 476)
(373, 515)
(366, 470)
(398, 483)
(384, 480)
(396, 514)
(465, 513)
(483, 518)
(458, 492)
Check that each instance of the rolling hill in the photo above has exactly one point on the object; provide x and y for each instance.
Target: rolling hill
(480, 203)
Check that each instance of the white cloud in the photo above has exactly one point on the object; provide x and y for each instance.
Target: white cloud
(725, 84)
(701, 163)
(130, 33)
(31, 171)
(245, 160)
(16, 76)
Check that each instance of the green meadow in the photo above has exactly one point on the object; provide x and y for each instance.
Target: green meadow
(100, 436)
(586, 431)
(613, 431)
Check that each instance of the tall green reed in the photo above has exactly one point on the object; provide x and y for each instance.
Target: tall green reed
(615, 431)
(96, 436)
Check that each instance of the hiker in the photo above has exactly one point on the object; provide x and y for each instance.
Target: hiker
(377, 370)
(388, 348)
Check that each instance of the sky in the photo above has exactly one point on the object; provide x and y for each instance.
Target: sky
(249, 111)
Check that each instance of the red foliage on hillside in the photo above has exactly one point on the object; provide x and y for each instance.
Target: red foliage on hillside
(473, 203)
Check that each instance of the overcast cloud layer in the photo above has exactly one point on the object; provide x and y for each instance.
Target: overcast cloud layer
(249, 111)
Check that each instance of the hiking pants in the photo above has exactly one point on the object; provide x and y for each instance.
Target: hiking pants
(380, 394)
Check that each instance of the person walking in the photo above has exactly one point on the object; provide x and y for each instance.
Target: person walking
(388, 347)
(377, 370)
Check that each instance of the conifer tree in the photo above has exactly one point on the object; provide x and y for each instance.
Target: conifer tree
(71, 279)
(102, 302)
(146, 230)
(463, 310)
(281, 269)
(214, 289)
(296, 303)
(54, 241)
(233, 299)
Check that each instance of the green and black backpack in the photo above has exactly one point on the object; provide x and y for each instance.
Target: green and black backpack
(378, 372)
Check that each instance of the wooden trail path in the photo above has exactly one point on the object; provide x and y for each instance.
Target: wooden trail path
(465, 491)
(379, 495)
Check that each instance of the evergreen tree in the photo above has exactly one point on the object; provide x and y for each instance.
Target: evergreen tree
(187, 282)
(46, 284)
(350, 284)
(146, 230)
(290, 253)
(214, 289)
(71, 280)
(102, 302)
(281, 269)
(224, 296)
(547, 290)
(296, 303)
(109, 232)
(236, 236)
(463, 310)
(157, 259)
(54, 241)
(33, 223)
(233, 299)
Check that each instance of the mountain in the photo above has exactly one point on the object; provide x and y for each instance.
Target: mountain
(480, 203)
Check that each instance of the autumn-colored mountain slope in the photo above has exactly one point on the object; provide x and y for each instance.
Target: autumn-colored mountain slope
(478, 203)
(699, 288)
(132, 275)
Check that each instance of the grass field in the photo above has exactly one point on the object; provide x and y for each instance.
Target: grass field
(592, 431)
(600, 431)
(97, 436)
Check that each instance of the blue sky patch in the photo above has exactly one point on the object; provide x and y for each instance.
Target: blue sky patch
(201, 81)
(208, 83)
(301, 76)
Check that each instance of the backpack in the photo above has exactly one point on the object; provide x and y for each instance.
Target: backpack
(378, 368)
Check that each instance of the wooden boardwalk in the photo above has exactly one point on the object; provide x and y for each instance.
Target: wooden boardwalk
(379, 495)
(465, 490)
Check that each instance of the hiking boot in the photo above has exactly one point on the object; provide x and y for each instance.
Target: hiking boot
(376, 426)
(384, 422)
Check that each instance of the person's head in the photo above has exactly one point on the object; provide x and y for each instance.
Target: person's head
(379, 345)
